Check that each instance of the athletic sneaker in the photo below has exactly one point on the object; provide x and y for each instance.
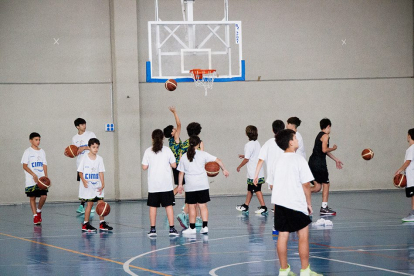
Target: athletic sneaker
(173, 232)
(261, 210)
(152, 233)
(275, 232)
(327, 211)
(204, 230)
(182, 219)
(105, 227)
(92, 210)
(39, 215)
(189, 231)
(80, 210)
(408, 218)
(199, 222)
(242, 208)
(36, 220)
(308, 272)
(86, 227)
(286, 272)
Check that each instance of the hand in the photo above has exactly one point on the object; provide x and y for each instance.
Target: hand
(80, 150)
(398, 172)
(65, 153)
(85, 183)
(334, 147)
(100, 190)
(255, 181)
(172, 109)
(339, 164)
(180, 189)
(226, 173)
(241, 156)
(36, 180)
(238, 169)
(310, 209)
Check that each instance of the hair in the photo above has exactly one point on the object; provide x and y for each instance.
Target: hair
(277, 126)
(157, 140)
(411, 133)
(283, 138)
(79, 121)
(251, 132)
(168, 130)
(324, 123)
(93, 141)
(33, 135)
(193, 141)
(193, 129)
(294, 121)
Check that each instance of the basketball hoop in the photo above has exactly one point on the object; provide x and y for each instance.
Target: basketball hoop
(204, 78)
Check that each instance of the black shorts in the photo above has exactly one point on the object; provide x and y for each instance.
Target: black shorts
(77, 176)
(319, 170)
(176, 173)
(288, 220)
(34, 191)
(409, 191)
(96, 199)
(195, 197)
(161, 199)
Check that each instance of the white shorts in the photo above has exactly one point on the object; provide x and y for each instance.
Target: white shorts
(90, 192)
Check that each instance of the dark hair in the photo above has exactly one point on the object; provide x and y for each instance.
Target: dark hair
(33, 135)
(93, 141)
(193, 129)
(283, 137)
(168, 130)
(294, 121)
(251, 132)
(193, 141)
(277, 126)
(411, 133)
(157, 140)
(79, 121)
(324, 123)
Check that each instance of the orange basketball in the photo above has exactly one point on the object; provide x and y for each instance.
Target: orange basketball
(367, 154)
(170, 85)
(212, 169)
(43, 183)
(71, 151)
(103, 209)
(400, 181)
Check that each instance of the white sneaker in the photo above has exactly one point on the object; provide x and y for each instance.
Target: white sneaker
(408, 218)
(204, 230)
(189, 231)
(261, 210)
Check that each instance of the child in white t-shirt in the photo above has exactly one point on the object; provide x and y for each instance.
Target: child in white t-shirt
(251, 158)
(291, 195)
(35, 166)
(293, 123)
(91, 189)
(192, 166)
(408, 167)
(159, 160)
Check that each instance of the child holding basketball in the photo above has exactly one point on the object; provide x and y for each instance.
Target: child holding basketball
(317, 164)
(251, 158)
(159, 160)
(291, 195)
(91, 189)
(293, 123)
(81, 141)
(192, 167)
(408, 167)
(35, 166)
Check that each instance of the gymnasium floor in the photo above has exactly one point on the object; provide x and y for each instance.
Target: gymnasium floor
(367, 238)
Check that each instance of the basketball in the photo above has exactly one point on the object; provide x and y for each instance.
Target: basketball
(103, 209)
(71, 151)
(367, 154)
(170, 85)
(212, 169)
(43, 183)
(400, 181)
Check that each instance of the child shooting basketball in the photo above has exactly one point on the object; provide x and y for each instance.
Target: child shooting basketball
(35, 166)
(192, 167)
(91, 189)
(291, 195)
(293, 123)
(408, 167)
(251, 158)
(317, 164)
(159, 160)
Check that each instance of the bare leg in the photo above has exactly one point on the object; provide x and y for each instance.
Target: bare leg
(316, 187)
(260, 198)
(304, 246)
(186, 208)
(282, 249)
(33, 204)
(204, 211)
(42, 201)
(88, 209)
(412, 203)
(153, 215)
(325, 192)
(192, 212)
(248, 198)
(170, 214)
(198, 210)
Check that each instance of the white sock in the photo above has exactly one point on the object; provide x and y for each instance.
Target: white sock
(85, 222)
(35, 215)
(324, 204)
(39, 210)
(101, 221)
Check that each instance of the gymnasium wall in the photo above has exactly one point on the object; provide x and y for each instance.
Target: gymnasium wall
(60, 60)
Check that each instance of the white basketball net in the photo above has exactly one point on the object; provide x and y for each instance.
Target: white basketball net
(203, 78)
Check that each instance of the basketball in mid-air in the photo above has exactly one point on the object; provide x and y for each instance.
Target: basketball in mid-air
(170, 85)
(103, 209)
(212, 169)
(400, 181)
(43, 183)
(71, 151)
(367, 154)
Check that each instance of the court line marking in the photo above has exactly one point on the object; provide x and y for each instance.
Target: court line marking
(84, 254)
(213, 271)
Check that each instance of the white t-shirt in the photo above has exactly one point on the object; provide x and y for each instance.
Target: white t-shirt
(82, 141)
(159, 169)
(91, 169)
(35, 159)
(291, 172)
(194, 172)
(270, 153)
(301, 149)
(251, 152)
(409, 171)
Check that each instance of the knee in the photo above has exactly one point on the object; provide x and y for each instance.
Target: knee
(317, 189)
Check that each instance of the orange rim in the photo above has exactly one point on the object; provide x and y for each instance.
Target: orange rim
(198, 73)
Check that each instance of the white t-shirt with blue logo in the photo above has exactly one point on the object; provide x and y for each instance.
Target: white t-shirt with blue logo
(91, 169)
(35, 159)
(409, 171)
(251, 152)
(82, 141)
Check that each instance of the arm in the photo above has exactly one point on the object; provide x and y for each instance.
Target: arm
(145, 167)
(403, 167)
(307, 191)
(178, 123)
(81, 149)
(225, 172)
(325, 148)
(256, 174)
(26, 168)
(85, 183)
(180, 182)
(101, 177)
(173, 165)
(202, 146)
(244, 162)
(337, 161)
(45, 169)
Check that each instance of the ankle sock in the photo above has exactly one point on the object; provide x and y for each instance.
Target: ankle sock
(152, 228)
(192, 225)
(205, 223)
(171, 227)
(39, 210)
(324, 204)
(101, 221)
(85, 222)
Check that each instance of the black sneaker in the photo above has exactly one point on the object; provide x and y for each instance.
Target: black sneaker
(152, 233)
(173, 232)
(242, 208)
(105, 227)
(86, 227)
(327, 211)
